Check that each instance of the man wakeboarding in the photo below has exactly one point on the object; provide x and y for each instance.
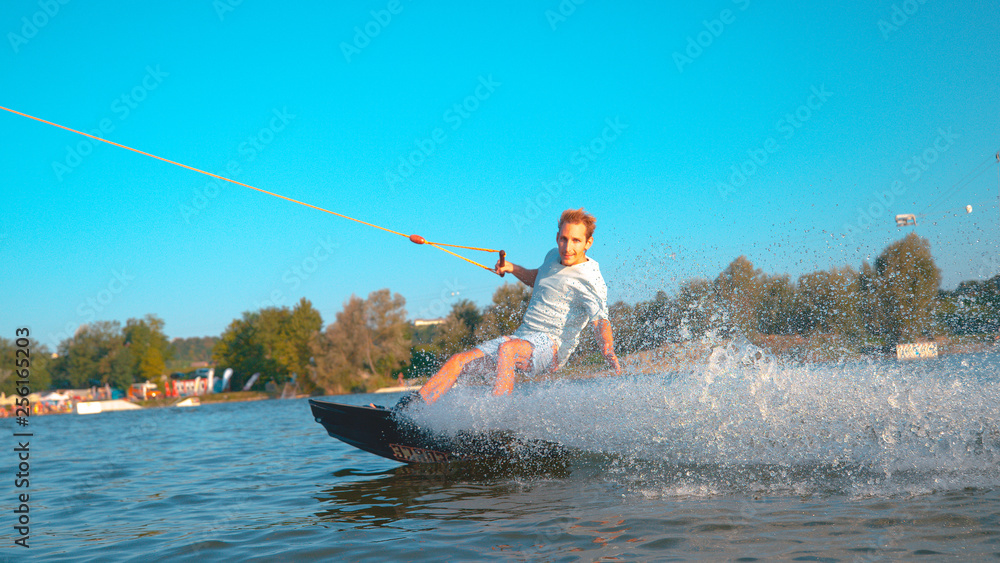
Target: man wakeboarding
(568, 293)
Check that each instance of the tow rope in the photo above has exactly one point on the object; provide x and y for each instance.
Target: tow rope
(416, 239)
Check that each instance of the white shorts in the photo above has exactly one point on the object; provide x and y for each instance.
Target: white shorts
(543, 355)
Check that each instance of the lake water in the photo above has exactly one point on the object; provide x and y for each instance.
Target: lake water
(734, 460)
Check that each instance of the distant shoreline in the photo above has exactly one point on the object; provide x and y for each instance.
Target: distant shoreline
(228, 397)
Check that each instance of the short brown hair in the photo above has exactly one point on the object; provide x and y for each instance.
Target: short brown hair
(573, 216)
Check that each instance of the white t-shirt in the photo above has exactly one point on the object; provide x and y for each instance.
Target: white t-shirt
(564, 300)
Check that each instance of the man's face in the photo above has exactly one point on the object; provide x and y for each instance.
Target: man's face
(573, 243)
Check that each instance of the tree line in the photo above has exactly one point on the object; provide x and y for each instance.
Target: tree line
(892, 301)
(370, 343)
(100, 353)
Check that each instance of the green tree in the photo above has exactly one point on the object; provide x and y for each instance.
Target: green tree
(367, 343)
(190, 350)
(655, 322)
(242, 348)
(148, 346)
(151, 365)
(273, 342)
(626, 327)
(457, 332)
(337, 352)
(12, 362)
(972, 308)
(814, 297)
(387, 338)
(871, 316)
(739, 288)
(424, 362)
(286, 336)
(696, 310)
(828, 303)
(510, 301)
(96, 355)
(778, 305)
(304, 322)
(908, 282)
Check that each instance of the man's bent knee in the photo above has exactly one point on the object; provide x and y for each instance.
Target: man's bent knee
(512, 354)
(515, 352)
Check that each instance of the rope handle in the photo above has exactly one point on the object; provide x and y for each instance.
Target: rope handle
(417, 239)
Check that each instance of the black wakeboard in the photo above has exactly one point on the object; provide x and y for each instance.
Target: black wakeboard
(395, 436)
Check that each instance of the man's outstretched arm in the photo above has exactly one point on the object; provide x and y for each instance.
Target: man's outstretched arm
(602, 330)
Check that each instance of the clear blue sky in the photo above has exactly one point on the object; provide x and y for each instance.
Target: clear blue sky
(642, 108)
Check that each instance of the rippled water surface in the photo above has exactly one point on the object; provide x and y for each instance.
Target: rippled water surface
(736, 459)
